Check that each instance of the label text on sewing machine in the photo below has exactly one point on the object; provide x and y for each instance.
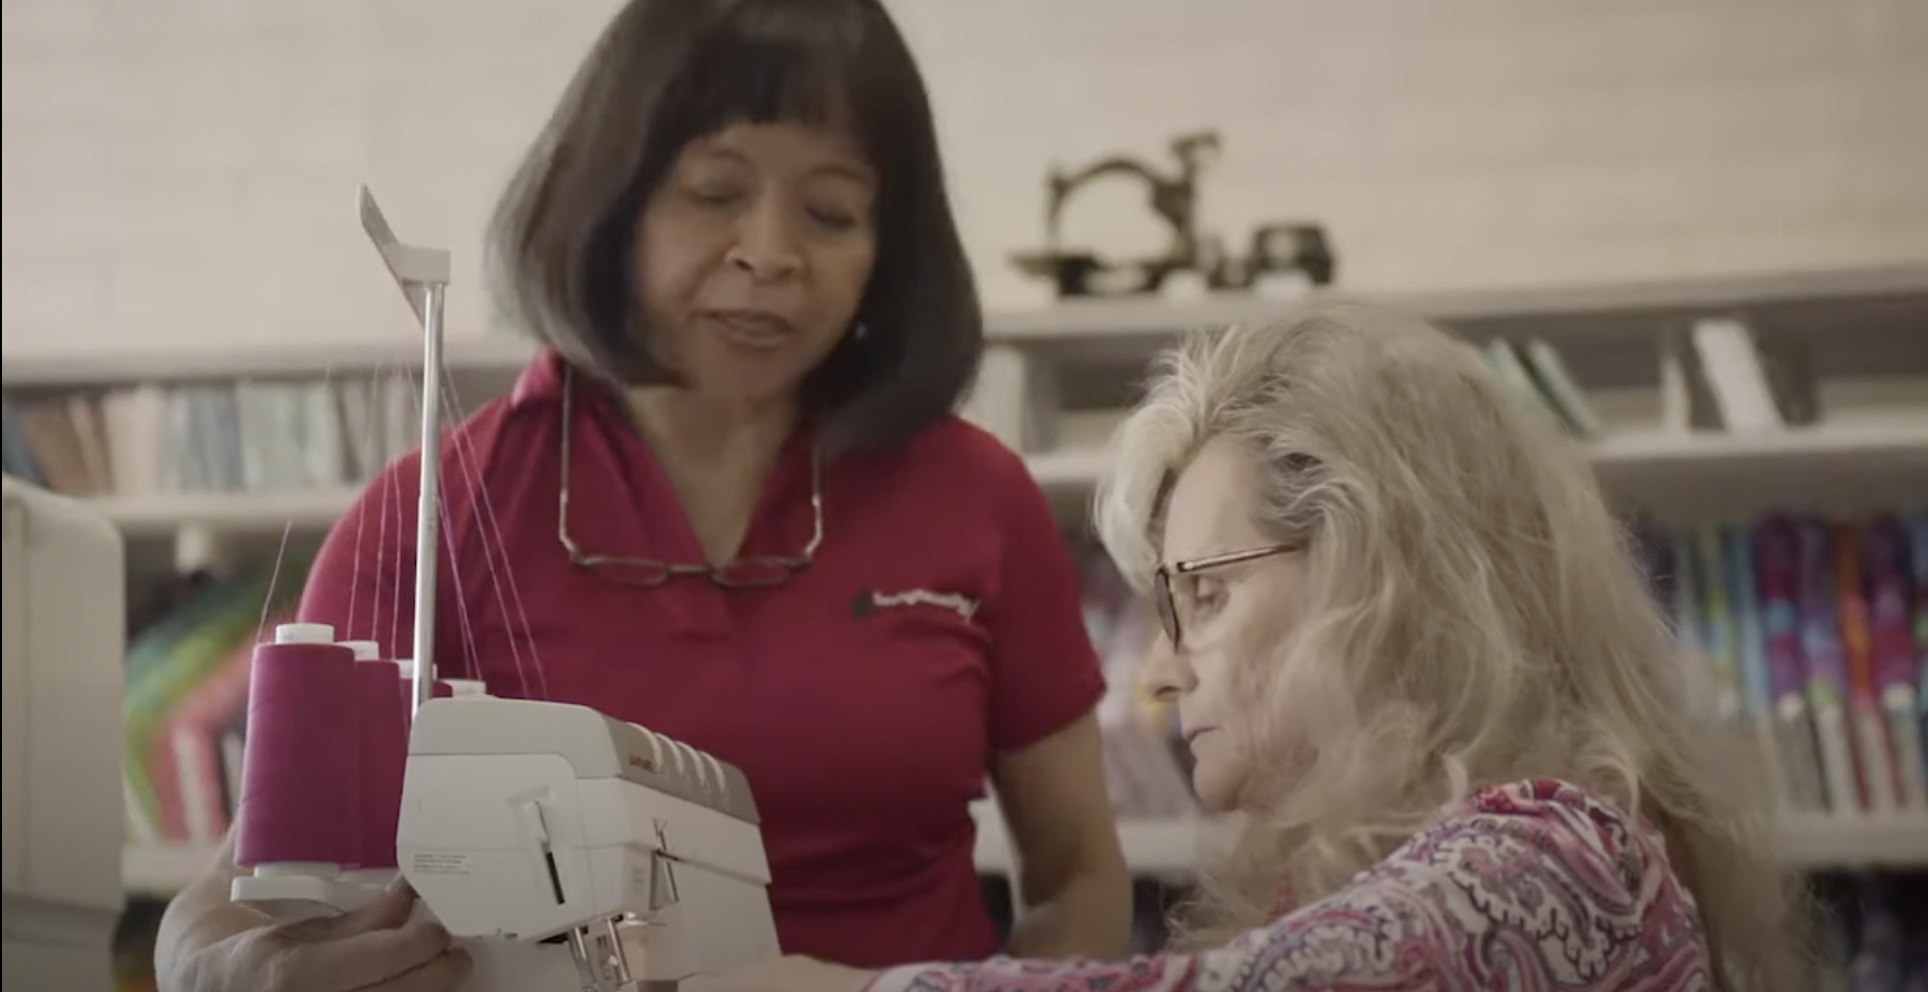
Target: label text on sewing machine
(428, 863)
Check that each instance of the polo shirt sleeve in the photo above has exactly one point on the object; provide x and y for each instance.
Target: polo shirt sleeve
(1045, 674)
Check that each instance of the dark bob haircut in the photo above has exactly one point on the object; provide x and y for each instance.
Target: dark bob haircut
(666, 72)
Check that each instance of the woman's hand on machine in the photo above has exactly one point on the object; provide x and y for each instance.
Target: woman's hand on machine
(373, 949)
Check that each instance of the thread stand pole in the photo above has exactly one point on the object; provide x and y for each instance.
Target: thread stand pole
(423, 276)
(428, 507)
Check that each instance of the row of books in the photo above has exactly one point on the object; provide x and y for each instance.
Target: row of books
(1810, 633)
(289, 433)
(189, 661)
(223, 436)
(1536, 375)
(1716, 374)
(1813, 632)
(188, 665)
(1813, 635)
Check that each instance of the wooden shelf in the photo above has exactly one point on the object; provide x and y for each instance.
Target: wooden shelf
(1841, 843)
(1842, 468)
(1551, 311)
(1073, 472)
(1725, 471)
(1841, 446)
(1832, 301)
(495, 355)
(238, 513)
(161, 870)
(1067, 477)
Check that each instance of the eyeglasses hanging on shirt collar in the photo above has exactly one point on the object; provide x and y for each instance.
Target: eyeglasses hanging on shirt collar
(751, 572)
(1167, 604)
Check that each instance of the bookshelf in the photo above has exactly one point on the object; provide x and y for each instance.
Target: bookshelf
(1717, 470)
(1627, 310)
(1865, 303)
(1054, 384)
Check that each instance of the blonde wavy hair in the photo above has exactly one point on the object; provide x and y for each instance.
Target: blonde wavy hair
(1475, 615)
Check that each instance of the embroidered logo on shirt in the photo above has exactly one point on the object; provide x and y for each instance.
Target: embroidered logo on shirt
(870, 601)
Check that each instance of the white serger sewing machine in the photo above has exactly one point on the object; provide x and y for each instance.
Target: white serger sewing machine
(527, 821)
(65, 653)
(567, 850)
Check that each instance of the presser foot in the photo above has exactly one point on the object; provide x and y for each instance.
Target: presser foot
(602, 962)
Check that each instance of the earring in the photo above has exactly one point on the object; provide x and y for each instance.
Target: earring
(859, 332)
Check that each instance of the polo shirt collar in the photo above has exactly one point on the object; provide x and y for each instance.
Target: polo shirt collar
(541, 380)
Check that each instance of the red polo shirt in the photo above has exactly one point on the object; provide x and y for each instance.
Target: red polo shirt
(864, 732)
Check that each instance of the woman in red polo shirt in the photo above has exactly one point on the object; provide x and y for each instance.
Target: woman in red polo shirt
(730, 502)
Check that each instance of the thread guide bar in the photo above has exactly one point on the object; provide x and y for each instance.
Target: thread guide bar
(422, 274)
(414, 268)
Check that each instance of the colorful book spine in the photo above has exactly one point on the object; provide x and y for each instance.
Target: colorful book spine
(1874, 765)
(1892, 656)
(1918, 562)
(1778, 585)
(1827, 665)
(1719, 637)
(1744, 588)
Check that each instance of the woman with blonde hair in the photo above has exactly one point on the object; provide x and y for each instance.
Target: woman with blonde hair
(1409, 644)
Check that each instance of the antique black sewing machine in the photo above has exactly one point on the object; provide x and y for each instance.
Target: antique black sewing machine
(1274, 248)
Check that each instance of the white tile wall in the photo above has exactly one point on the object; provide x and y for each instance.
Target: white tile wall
(183, 171)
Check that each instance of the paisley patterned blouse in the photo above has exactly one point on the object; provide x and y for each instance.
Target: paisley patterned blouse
(1525, 887)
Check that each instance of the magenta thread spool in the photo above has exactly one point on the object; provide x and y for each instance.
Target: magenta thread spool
(300, 779)
(384, 755)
